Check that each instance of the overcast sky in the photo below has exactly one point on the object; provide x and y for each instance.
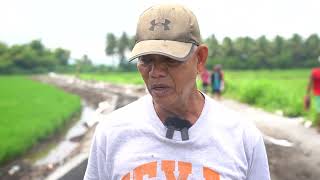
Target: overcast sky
(81, 25)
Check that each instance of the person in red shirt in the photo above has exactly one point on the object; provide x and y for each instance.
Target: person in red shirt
(314, 85)
(205, 78)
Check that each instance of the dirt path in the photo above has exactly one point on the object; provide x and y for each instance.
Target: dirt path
(293, 150)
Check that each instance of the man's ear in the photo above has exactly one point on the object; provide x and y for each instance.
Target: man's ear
(202, 56)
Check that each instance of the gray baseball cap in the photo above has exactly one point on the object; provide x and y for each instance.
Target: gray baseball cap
(167, 29)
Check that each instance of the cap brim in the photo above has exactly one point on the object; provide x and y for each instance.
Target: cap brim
(173, 49)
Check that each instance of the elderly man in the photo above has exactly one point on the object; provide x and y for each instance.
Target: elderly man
(176, 131)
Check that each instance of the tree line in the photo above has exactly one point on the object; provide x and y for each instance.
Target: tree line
(119, 46)
(262, 53)
(243, 52)
(32, 57)
(239, 53)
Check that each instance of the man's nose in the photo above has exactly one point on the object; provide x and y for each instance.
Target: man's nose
(158, 69)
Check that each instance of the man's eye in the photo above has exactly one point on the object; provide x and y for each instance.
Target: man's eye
(145, 61)
(173, 62)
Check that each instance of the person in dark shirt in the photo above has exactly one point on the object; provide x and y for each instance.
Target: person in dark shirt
(217, 81)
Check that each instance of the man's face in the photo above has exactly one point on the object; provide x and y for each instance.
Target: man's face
(170, 82)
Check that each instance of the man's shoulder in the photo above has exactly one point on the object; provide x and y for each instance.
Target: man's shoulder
(221, 113)
(232, 121)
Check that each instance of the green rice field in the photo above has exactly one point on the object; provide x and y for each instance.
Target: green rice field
(115, 77)
(276, 90)
(29, 112)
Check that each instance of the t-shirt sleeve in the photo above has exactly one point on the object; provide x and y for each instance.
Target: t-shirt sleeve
(96, 167)
(259, 168)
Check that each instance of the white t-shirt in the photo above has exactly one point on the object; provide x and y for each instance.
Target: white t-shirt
(130, 144)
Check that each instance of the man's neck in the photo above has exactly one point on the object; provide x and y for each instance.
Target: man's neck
(190, 110)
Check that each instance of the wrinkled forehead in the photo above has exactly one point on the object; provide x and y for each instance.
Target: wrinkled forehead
(156, 56)
(168, 57)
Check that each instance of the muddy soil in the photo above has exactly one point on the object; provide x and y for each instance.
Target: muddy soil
(293, 150)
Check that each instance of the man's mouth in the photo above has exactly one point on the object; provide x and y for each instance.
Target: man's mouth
(159, 89)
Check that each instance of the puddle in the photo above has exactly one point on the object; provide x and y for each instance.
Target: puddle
(56, 152)
(80, 127)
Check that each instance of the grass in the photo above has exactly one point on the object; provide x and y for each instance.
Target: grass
(30, 111)
(276, 90)
(115, 77)
(272, 90)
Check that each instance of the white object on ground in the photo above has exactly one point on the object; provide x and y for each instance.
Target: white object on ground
(279, 142)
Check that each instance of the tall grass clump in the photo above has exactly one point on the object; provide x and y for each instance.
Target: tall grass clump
(271, 90)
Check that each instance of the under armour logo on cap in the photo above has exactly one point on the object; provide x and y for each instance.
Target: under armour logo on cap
(162, 22)
(167, 29)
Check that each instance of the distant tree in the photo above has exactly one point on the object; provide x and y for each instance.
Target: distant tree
(132, 42)
(262, 52)
(278, 45)
(297, 50)
(84, 60)
(123, 46)
(111, 44)
(312, 48)
(227, 47)
(244, 47)
(37, 46)
(84, 64)
(62, 56)
(213, 46)
(5, 61)
(33, 57)
(3, 48)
